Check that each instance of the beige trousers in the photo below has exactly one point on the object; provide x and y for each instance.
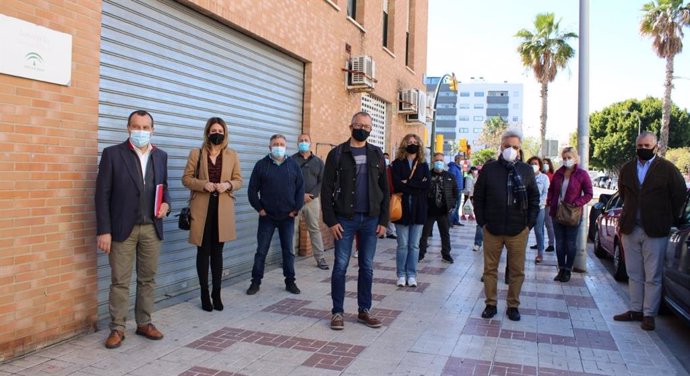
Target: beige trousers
(493, 246)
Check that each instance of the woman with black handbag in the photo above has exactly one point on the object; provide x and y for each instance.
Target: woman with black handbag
(212, 205)
(569, 192)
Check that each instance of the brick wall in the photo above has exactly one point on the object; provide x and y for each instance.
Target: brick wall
(48, 154)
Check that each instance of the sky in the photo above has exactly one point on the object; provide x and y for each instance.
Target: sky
(475, 38)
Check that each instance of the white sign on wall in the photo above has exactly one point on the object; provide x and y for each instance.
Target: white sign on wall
(35, 52)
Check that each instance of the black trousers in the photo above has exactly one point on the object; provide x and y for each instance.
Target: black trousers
(442, 222)
(211, 249)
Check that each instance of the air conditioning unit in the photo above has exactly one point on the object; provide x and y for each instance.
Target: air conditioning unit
(420, 115)
(407, 101)
(360, 73)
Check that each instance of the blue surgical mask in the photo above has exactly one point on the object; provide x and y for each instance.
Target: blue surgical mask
(303, 147)
(438, 165)
(278, 152)
(140, 138)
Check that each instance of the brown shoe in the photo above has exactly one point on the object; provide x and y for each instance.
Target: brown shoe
(115, 339)
(149, 331)
(337, 321)
(367, 320)
(647, 323)
(629, 316)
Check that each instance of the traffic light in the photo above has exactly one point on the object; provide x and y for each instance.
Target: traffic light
(453, 83)
(462, 146)
(439, 143)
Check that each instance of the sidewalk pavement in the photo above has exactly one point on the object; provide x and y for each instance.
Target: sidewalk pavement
(434, 329)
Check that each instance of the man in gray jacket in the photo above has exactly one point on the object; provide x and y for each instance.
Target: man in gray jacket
(312, 171)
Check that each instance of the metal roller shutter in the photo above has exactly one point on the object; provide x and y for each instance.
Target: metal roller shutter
(184, 67)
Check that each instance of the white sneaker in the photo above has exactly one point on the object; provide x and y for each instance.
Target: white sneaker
(476, 248)
(412, 282)
(401, 282)
(356, 254)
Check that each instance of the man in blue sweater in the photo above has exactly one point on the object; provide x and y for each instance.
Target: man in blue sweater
(455, 169)
(276, 191)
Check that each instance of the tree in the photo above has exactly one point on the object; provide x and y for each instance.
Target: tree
(480, 157)
(681, 158)
(545, 50)
(614, 129)
(572, 140)
(530, 147)
(491, 134)
(663, 21)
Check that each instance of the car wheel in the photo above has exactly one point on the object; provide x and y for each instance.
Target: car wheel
(598, 249)
(620, 274)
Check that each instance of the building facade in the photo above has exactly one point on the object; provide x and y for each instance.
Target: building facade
(460, 115)
(269, 66)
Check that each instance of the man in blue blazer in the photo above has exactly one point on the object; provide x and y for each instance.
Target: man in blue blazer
(132, 183)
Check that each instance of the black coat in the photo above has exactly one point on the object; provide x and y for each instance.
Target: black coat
(450, 192)
(339, 180)
(118, 186)
(491, 200)
(415, 190)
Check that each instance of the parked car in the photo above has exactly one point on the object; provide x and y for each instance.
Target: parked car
(594, 213)
(600, 181)
(607, 240)
(612, 183)
(676, 285)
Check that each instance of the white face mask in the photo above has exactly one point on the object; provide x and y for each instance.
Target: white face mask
(509, 154)
(536, 169)
(569, 163)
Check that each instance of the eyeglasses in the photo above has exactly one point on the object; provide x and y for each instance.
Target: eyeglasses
(366, 127)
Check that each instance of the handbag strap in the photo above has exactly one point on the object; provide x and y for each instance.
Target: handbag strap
(413, 170)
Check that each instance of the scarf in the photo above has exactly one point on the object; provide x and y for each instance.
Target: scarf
(517, 193)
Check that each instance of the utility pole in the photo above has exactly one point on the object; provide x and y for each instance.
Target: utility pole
(583, 124)
(453, 85)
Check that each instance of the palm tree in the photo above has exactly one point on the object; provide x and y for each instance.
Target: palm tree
(663, 21)
(491, 133)
(545, 50)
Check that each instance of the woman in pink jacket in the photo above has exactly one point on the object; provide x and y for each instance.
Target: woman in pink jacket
(570, 185)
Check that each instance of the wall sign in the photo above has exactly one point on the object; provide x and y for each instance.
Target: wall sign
(35, 52)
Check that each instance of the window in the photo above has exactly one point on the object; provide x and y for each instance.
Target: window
(464, 105)
(478, 118)
(463, 118)
(355, 10)
(477, 130)
(516, 93)
(445, 117)
(445, 105)
(515, 119)
(497, 105)
(478, 93)
(498, 93)
(409, 35)
(377, 109)
(516, 105)
(463, 130)
(464, 93)
(479, 106)
(388, 24)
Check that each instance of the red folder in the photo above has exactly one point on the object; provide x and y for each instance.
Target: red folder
(159, 200)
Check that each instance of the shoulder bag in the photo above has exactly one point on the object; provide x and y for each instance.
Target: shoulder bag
(184, 221)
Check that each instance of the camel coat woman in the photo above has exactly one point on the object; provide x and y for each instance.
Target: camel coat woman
(200, 198)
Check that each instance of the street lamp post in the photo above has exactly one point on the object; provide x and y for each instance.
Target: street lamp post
(432, 138)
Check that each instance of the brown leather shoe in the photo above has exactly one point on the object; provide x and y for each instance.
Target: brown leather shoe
(337, 321)
(367, 320)
(149, 331)
(115, 339)
(648, 323)
(629, 316)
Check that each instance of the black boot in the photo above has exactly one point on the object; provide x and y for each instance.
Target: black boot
(217, 302)
(559, 276)
(206, 300)
(566, 276)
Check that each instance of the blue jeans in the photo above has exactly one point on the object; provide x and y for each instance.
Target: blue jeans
(539, 231)
(365, 227)
(478, 236)
(566, 245)
(264, 234)
(408, 249)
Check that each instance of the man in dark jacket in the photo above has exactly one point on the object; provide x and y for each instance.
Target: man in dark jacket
(441, 200)
(355, 200)
(131, 176)
(506, 204)
(653, 191)
(276, 191)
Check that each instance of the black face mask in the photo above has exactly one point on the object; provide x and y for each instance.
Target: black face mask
(645, 154)
(412, 149)
(216, 138)
(360, 134)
